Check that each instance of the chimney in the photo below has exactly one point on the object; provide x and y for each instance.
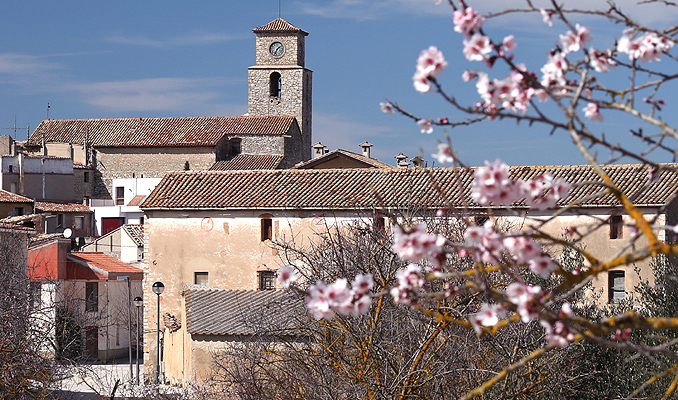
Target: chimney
(417, 161)
(366, 148)
(318, 149)
(401, 161)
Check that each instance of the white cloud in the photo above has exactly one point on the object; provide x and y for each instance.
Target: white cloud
(651, 13)
(159, 94)
(22, 64)
(187, 40)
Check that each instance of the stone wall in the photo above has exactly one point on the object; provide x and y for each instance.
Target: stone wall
(295, 49)
(145, 162)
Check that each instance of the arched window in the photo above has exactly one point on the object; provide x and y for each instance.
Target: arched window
(276, 84)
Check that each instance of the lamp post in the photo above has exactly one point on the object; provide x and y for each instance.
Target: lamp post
(158, 288)
(138, 301)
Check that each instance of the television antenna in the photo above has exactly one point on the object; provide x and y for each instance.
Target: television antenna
(28, 128)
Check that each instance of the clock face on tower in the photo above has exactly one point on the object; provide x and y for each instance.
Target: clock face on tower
(276, 49)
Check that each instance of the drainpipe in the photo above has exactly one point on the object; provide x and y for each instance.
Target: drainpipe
(21, 174)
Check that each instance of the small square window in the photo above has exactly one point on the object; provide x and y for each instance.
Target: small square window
(79, 222)
(266, 280)
(18, 211)
(616, 286)
(200, 278)
(616, 227)
(86, 177)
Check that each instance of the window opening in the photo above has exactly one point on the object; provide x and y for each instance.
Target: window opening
(266, 280)
(86, 177)
(276, 84)
(616, 283)
(616, 227)
(200, 278)
(120, 196)
(60, 220)
(235, 146)
(266, 229)
(92, 296)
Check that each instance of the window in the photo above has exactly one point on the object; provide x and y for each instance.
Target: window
(11, 168)
(616, 281)
(79, 222)
(18, 211)
(266, 280)
(276, 84)
(86, 177)
(616, 227)
(92, 296)
(120, 196)
(12, 187)
(60, 220)
(200, 278)
(234, 147)
(266, 228)
(379, 223)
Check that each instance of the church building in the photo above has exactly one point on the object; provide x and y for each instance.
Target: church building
(274, 134)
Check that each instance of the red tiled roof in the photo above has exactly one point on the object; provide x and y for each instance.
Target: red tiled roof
(248, 161)
(104, 263)
(9, 197)
(61, 207)
(279, 26)
(153, 132)
(136, 200)
(4, 226)
(339, 153)
(368, 188)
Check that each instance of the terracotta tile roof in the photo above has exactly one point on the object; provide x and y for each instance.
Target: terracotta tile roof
(103, 263)
(153, 132)
(136, 232)
(211, 311)
(248, 161)
(339, 153)
(9, 197)
(279, 26)
(6, 226)
(367, 188)
(136, 200)
(45, 206)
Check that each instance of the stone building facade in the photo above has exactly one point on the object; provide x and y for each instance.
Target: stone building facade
(278, 123)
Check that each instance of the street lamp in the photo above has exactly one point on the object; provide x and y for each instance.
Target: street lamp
(138, 301)
(158, 288)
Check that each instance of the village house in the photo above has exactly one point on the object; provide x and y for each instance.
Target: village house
(219, 229)
(87, 290)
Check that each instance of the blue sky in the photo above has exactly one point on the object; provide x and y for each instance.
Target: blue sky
(176, 58)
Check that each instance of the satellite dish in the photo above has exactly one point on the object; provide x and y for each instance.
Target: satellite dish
(68, 232)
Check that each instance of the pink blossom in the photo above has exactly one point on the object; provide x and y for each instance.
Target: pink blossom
(417, 244)
(542, 266)
(558, 334)
(387, 108)
(477, 47)
(554, 70)
(601, 61)
(363, 283)
(542, 95)
(286, 275)
(468, 75)
(317, 302)
(421, 83)
(566, 310)
(591, 112)
(509, 43)
(410, 281)
(491, 184)
(489, 314)
(425, 126)
(444, 154)
(648, 47)
(546, 17)
(523, 248)
(572, 41)
(362, 306)
(431, 62)
(468, 21)
(519, 294)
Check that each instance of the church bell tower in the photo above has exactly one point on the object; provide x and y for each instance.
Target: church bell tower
(279, 83)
